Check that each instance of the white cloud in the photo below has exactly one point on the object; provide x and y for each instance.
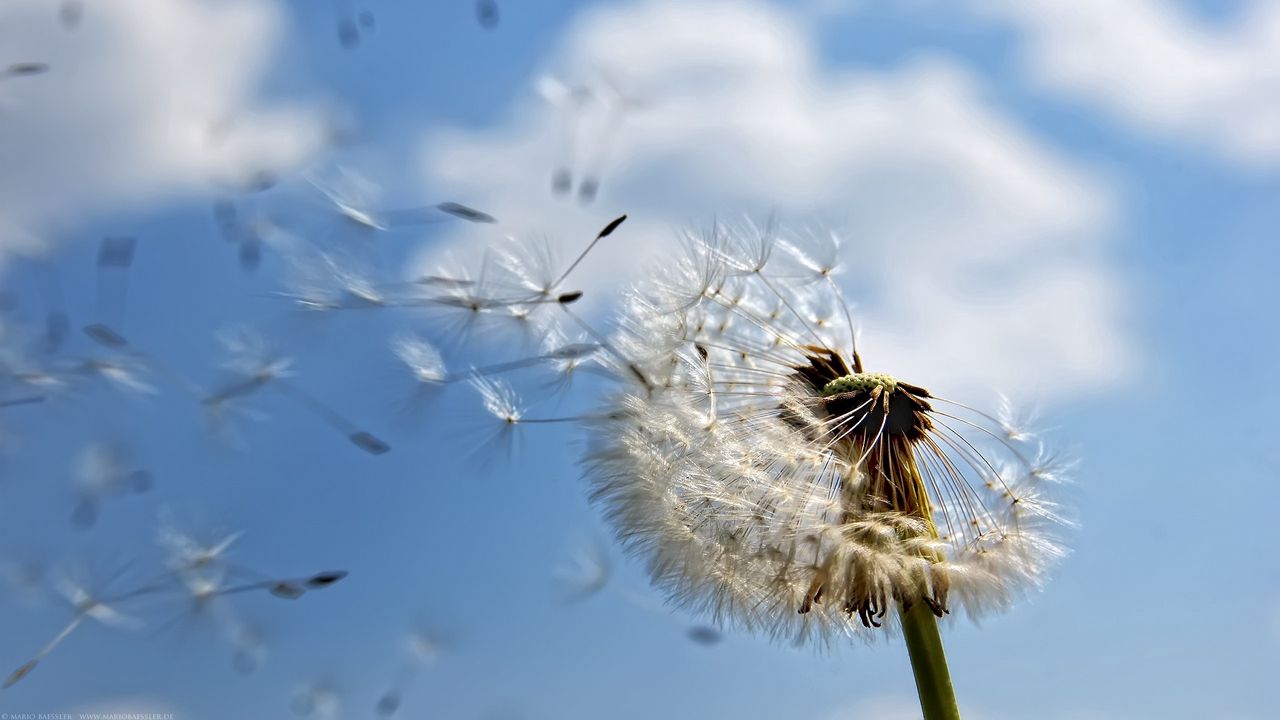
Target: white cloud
(976, 254)
(1166, 72)
(143, 100)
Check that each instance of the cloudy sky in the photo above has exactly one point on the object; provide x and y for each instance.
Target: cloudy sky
(1071, 203)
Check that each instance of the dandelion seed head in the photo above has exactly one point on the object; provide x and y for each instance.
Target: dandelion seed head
(770, 481)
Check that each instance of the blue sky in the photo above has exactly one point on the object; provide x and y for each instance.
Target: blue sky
(1074, 204)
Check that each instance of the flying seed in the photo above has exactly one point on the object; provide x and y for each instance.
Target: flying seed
(105, 336)
(25, 69)
(704, 635)
(116, 252)
(487, 13)
(325, 579)
(613, 225)
(369, 443)
(466, 213)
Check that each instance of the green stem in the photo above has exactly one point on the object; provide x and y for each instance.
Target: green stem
(929, 663)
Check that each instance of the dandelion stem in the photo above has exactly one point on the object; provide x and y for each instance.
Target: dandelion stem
(929, 663)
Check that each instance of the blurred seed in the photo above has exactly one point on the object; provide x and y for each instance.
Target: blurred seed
(573, 351)
(705, 635)
(71, 13)
(22, 401)
(21, 673)
(56, 327)
(303, 704)
(249, 650)
(388, 704)
(325, 579)
(105, 336)
(466, 213)
(244, 662)
(250, 252)
(487, 13)
(369, 443)
(366, 19)
(26, 68)
(85, 514)
(561, 181)
(286, 590)
(116, 252)
(259, 181)
(348, 33)
(588, 189)
(586, 573)
(140, 481)
(225, 213)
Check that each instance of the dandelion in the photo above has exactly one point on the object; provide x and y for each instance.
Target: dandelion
(772, 481)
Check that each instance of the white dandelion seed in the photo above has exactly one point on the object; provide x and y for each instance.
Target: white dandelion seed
(421, 358)
(258, 366)
(585, 573)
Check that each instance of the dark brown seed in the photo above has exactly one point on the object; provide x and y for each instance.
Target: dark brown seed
(325, 579)
(613, 225)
